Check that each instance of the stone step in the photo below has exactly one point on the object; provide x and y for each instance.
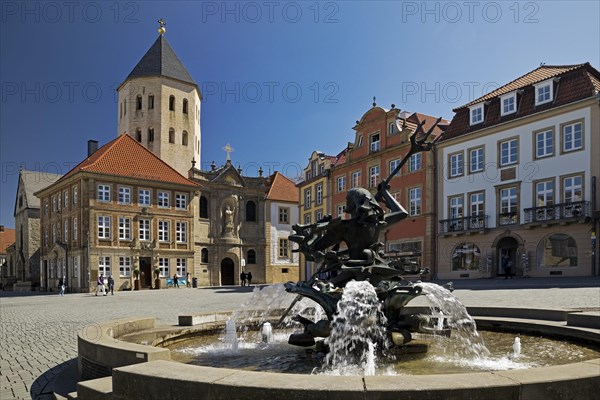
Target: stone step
(95, 389)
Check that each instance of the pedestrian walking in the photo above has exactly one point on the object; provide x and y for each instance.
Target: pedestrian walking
(243, 278)
(249, 277)
(187, 280)
(62, 283)
(100, 285)
(111, 285)
(506, 264)
(176, 280)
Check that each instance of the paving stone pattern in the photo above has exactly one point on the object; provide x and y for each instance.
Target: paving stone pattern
(38, 332)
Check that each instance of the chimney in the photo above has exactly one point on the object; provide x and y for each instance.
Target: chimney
(92, 147)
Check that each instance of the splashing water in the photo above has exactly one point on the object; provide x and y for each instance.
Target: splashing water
(517, 347)
(230, 334)
(465, 340)
(267, 333)
(356, 330)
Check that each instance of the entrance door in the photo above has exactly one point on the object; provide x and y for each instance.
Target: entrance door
(146, 272)
(227, 272)
(507, 249)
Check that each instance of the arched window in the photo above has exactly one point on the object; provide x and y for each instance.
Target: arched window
(138, 134)
(150, 102)
(556, 251)
(138, 102)
(466, 256)
(204, 256)
(203, 207)
(251, 211)
(251, 257)
(171, 135)
(184, 138)
(171, 103)
(185, 106)
(150, 135)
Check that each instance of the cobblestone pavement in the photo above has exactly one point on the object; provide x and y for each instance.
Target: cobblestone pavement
(38, 331)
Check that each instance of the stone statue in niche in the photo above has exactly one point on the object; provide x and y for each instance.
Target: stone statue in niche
(228, 221)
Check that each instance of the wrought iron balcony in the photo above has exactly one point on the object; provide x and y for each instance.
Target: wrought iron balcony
(469, 223)
(510, 218)
(557, 212)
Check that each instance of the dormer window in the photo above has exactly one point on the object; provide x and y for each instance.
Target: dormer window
(476, 112)
(544, 92)
(508, 104)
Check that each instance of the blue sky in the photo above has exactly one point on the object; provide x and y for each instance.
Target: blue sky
(280, 79)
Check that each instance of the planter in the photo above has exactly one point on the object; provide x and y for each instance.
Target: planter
(157, 283)
(136, 284)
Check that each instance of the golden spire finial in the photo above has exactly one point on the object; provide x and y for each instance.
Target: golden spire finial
(162, 24)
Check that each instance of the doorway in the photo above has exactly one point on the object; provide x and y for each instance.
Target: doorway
(146, 272)
(227, 272)
(507, 250)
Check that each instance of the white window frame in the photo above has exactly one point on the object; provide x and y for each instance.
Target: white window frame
(104, 265)
(374, 173)
(456, 164)
(391, 127)
(341, 183)
(66, 228)
(124, 228)
(506, 103)
(181, 267)
(307, 197)
(414, 201)
(124, 267)
(547, 134)
(163, 230)
(415, 162)
(476, 114)
(144, 197)
(104, 226)
(511, 158)
(374, 142)
(283, 215)
(477, 207)
(75, 195)
(164, 199)
(163, 265)
(180, 201)
(103, 192)
(75, 227)
(181, 232)
(479, 163)
(393, 164)
(542, 86)
(506, 200)
(145, 227)
(456, 207)
(66, 199)
(319, 194)
(356, 179)
(123, 195)
(340, 211)
(307, 218)
(573, 139)
(76, 267)
(572, 188)
(544, 196)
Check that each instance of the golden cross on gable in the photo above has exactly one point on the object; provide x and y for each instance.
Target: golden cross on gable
(228, 149)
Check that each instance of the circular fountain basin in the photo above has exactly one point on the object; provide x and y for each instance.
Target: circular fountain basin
(163, 378)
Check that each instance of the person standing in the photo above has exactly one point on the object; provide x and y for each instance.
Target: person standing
(249, 277)
(175, 280)
(100, 285)
(506, 265)
(111, 285)
(62, 283)
(187, 280)
(243, 278)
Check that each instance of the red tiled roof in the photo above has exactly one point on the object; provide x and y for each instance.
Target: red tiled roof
(537, 75)
(340, 158)
(577, 82)
(429, 121)
(7, 237)
(282, 189)
(125, 157)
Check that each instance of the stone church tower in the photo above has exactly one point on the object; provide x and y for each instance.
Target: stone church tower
(159, 106)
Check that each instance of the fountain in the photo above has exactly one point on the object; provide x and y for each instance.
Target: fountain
(361, 327)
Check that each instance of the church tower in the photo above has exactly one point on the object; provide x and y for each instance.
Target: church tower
(159, 106)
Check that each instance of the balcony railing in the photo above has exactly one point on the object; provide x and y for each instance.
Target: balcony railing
(470, 223)
(557, 212)
(509, 218)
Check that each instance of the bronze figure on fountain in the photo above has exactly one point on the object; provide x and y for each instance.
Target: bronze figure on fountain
(349, 249)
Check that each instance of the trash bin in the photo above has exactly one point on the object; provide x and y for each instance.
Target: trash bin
(195, 282)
